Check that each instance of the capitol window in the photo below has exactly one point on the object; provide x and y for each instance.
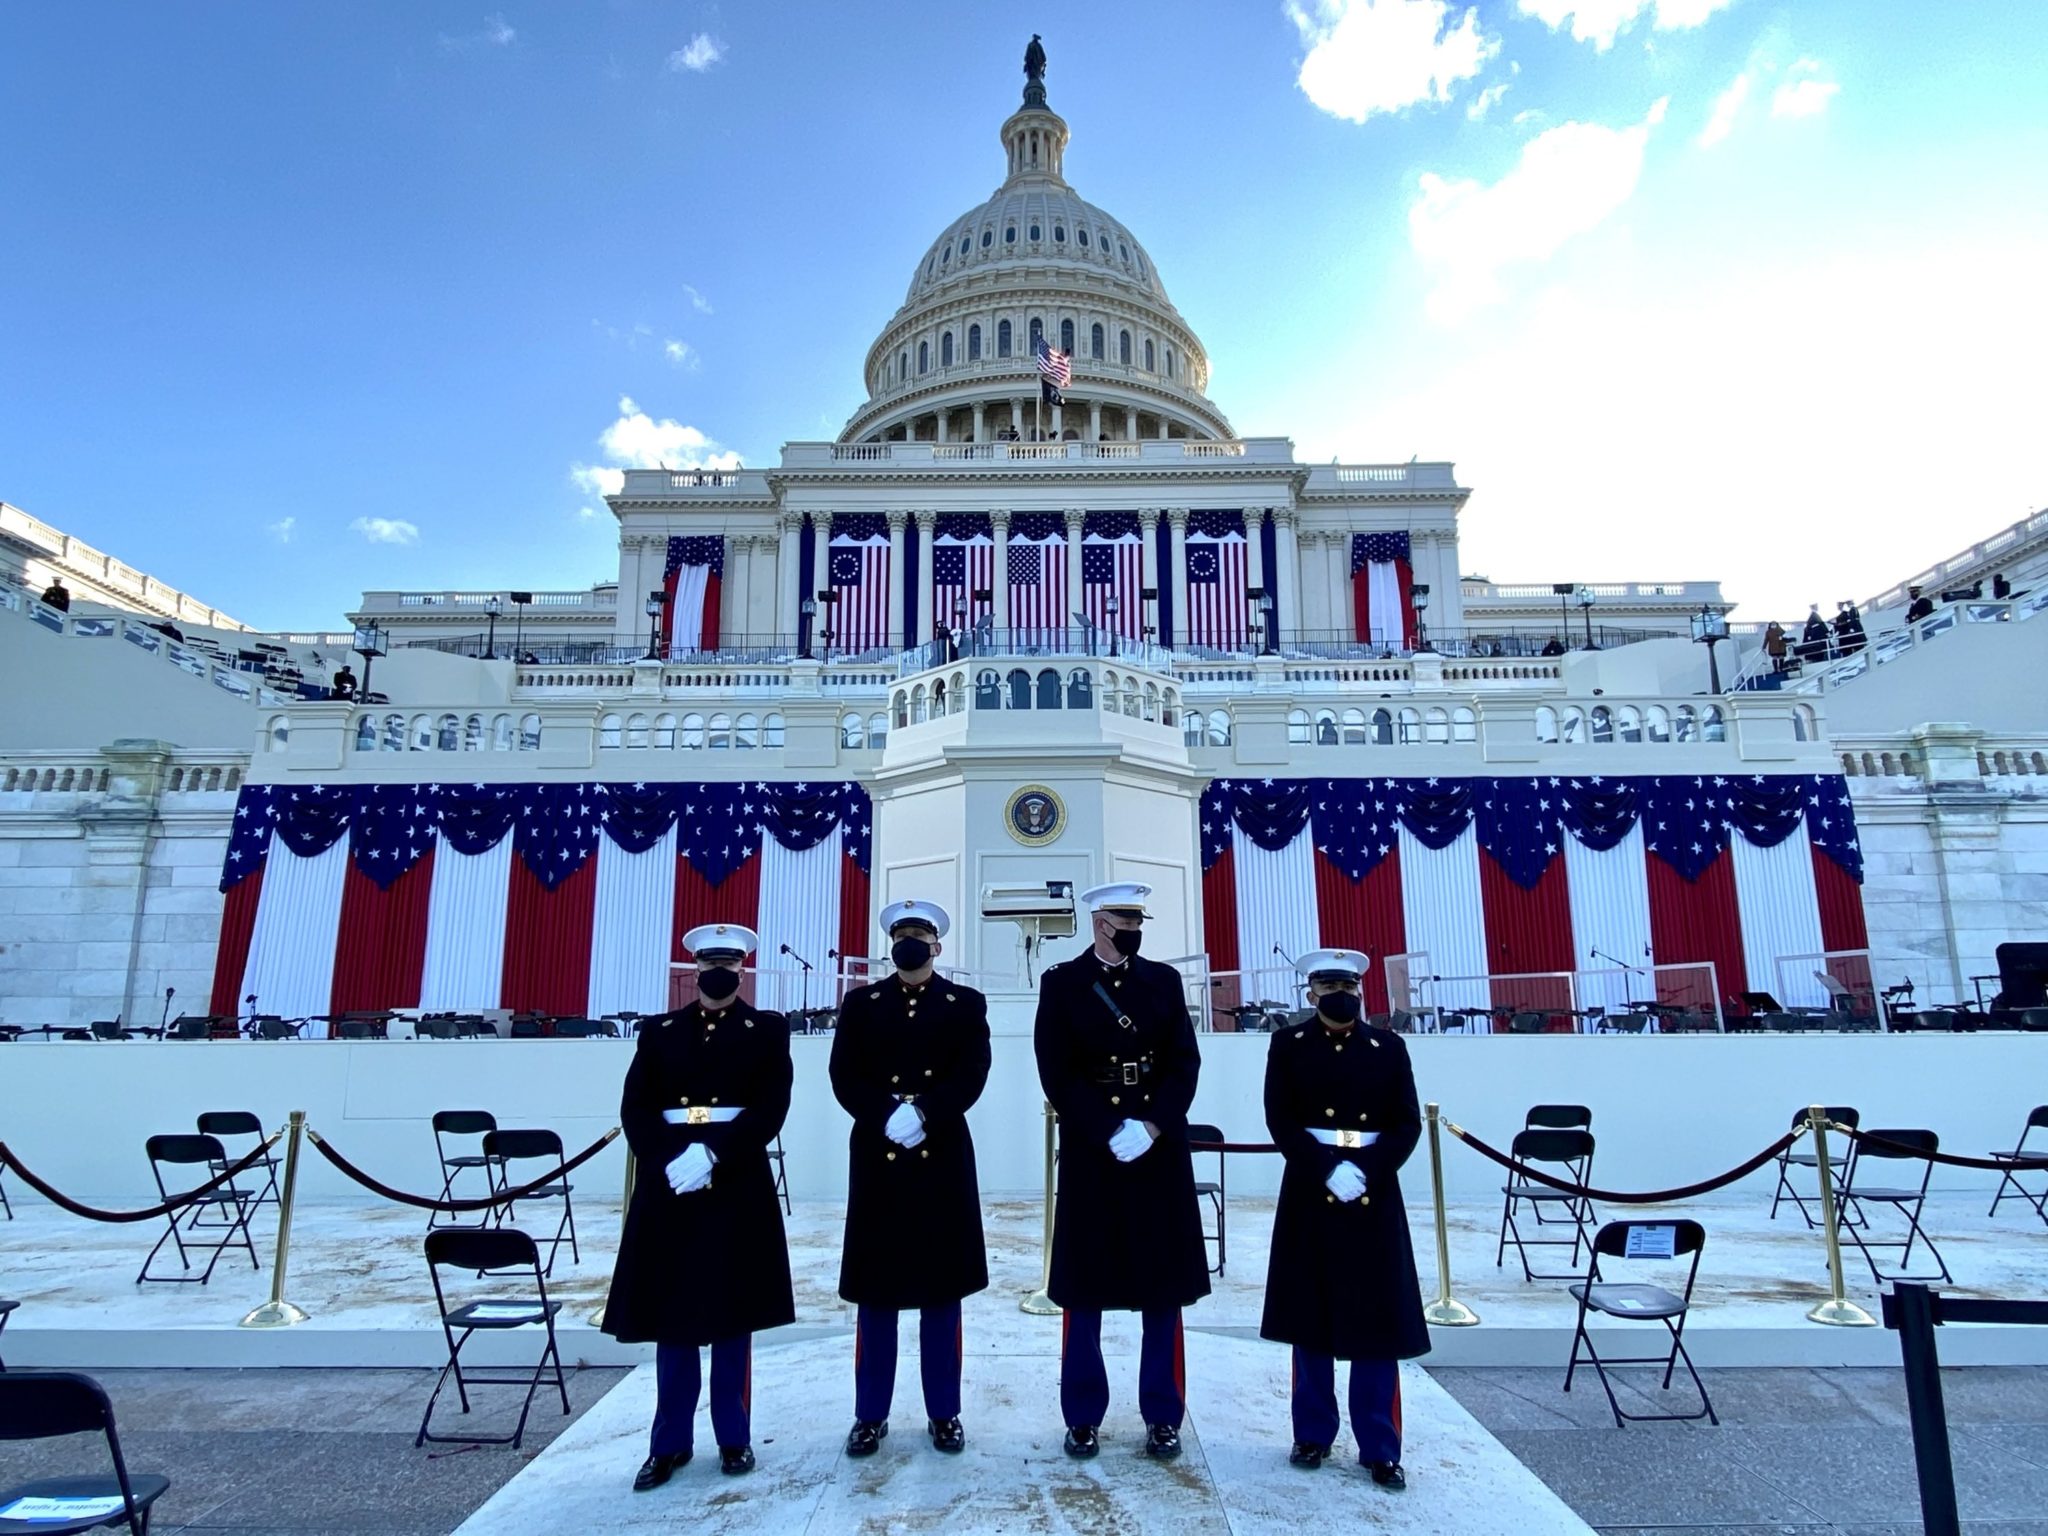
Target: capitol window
(988, 238)
(1193, 725)
(529, 733)
(366, 734)
(1298, 728)
(1169, 362)
(902, 367)
(1048, 689)
(1151, 360)
(878, 732)
(1123, 252)
(721, 733)
(1080, 691)
(1059, 234)
(1003, 339)
(850, 732)
(924, 357)
(946, 350)
(1464, 724)
(744, 731)
(1095, 335)
(1020, 688)
(665, 732)
(501, 733)
(692, 736)
(1219, 729)
(1067, 337)
(966, 244)
(1354, 729)
(1037, 334)
(608, 731)
(1123, 348)
(1010, 235)
(1081, 235)
(473, 734)
(946, 256)
(974, 343)
(771, 731)
(422, 733)
(1034, 231)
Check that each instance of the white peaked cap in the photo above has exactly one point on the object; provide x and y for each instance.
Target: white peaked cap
(717, 939)
(1119, 895)
(929, 913)
(1349, 963)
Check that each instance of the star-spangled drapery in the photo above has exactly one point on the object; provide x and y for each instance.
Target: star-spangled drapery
(859, 526)
(1377, 548)
(1686, 819)
(1214, 523)
(1034, 526)
(390, 827)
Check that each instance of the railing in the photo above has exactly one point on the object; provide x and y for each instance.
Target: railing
(902, 455)
(1974, 560)
(996, 645)
(1888, 645)
(1652, 998)
(1686, 593)
(78, 558)
(604, 599)
(91, 773)
(1489, 642)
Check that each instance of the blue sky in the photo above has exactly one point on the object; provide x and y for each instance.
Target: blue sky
(297, 301)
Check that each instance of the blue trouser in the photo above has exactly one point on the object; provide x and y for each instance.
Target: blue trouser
(1162, 1368)
(677, 1380)
(1375, 1404)
(874, 1361)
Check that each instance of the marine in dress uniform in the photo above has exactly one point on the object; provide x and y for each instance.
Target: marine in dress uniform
(1340, 1282)
(703, 1259)
(910, 1057)
(1117, 1059)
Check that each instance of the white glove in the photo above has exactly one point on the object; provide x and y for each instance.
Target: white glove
(691, 1170)
(1346, 1182)
(905, 1127)
(1131, 1141)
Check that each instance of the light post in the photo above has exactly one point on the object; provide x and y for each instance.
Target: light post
(492, 608)
(1564, 591)
(656, 601)
(519, 601)
(959, 629)
(803, 640)
(1418, 594)
(370, 643)
(1586, 607)
(1710, 629)
(1148, 612)
(1112, 608)
(827, 598)
(1259, 609)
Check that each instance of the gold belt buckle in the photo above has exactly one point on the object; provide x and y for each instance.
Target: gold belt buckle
(906, 1098)
(1350, 1139)
(696, 1114)
(1130, 1074)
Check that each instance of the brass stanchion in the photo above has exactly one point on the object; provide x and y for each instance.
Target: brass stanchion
(277, 1312)
(625, 1205)
(1039, 1303)
(1446, 1311)
(1838, 1310)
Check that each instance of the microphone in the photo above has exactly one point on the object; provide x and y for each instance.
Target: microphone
(799, 959)
(1283, 954)
(164, 1022)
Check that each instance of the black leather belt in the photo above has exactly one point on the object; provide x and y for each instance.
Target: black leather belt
(1126, 1073)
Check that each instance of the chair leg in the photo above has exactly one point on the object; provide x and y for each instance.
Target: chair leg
(569, 1217)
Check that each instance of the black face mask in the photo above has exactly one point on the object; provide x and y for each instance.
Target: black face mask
(910, 954)
(717, 983)
(1339, 1007)
(1126, 940)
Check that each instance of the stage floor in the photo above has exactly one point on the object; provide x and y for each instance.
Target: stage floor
(358, 1270)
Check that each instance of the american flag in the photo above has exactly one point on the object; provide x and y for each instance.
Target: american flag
(959, 570)
(1038, 584)
(860, 575)
(1216, 584)
(1113, 566)
(1055, 370)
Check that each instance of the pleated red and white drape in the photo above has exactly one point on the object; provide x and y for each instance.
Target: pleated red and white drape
(693, 579)
(1382, 582)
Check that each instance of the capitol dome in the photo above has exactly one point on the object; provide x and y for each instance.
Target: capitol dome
(957, 362)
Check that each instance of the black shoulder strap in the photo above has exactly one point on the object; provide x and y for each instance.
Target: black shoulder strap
(1124, 1020)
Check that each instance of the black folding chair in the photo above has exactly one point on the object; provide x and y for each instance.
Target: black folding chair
(42, 1405)
(1214, 1192)
(2036, 1117)
(227, 1201)
(6, 1310)
(1639, 1303)
(190, 1026)
(781, 1162)
(223, 1123)
(525, 1029)
(495, 1250)
(357, 1029)
(572, 1029)
(503, 1149)
(1561, 1117)
(461, 1122)
(1571, 1151)
(1801, 1155)
(1906, 1199)
(5, 1209)
(272, 1027)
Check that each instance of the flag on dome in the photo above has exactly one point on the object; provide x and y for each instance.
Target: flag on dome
(1055, 372)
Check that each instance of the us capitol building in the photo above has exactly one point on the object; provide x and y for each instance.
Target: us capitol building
(987, 649)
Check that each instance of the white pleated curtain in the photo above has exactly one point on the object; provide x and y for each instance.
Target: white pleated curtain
(800, 908)
(1780, 918)
(1446, 918)
(1610, 901)
(631, 927)
(1276, 908)
(291, 949)
(1383, 604)
(465, 964)
(686, 619)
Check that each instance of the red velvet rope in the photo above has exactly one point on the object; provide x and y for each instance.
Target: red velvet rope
(64, 1202)
(1614, 1197)
(2001, 1164)
(502, 1197)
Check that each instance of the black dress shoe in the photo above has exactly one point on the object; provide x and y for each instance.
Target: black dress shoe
(1307, 1457)
(866, 1436)
(947, 1436)
(1162, 1440)
(735, 1460)
(656, 1470)
(1081, 1441)
(1388, 1475)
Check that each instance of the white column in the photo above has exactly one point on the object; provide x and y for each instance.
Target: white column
(926, 522)
(939, 435)
(1148, 558)
(732, 598)
(1177, 524)
(1287, 559)
(1058, 428)
(1094, 421)
(1130, 423)
(821, 578)
(1315, 592)
(1162, 426)
(787, 565)
(897, 519)
(1337, 575)
(1255, 556)
(980, 427)
(1017, 417)
(1076, 516)
(1000, 522)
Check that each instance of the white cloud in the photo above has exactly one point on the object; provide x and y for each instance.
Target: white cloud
(638, 441)
(496, 33)
(697, 55)
(681, 353)
(697, 300)
(1727, 107)
(1486, 100)
(1804, 93)
(1569, 180)
(1368, 56)
(281, 530)
(1599, 21)
(386, 530)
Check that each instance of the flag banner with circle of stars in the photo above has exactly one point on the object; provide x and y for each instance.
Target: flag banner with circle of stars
(557, 826)
(1686, 819)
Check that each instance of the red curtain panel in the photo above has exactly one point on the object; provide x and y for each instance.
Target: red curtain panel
(231, 955)
(547, 941)
(698, 901)
(1363, 914)
(1219, 912)
(1697, 920)
(1527, 930)
(380, 949)
(1841, 905)
(857, 936)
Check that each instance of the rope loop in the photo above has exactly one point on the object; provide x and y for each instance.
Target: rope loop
(502, 1197)
(64, 1202)
(1616, 1197)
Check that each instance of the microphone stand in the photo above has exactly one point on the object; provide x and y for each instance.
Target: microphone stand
(805, 1009)
(163, 1024)
(1626, 970)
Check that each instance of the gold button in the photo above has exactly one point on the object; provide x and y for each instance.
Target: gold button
(1340, 1045)
(714, 1101)
(1148, 1098)
(892, 1157)
(927, 1071)
(686, 1103)
(1329, 1114)
(1361, 1119)
(1114, 1099)
(1332, 1199)
(895, 1079)
(709, 1027)
(1365, 1199)
(924, 1152)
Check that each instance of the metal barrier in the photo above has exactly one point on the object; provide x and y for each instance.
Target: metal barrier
(1841, 981)
(1664, 998)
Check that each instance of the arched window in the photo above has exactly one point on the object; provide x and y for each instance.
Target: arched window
(608, 731)
(1659, 722)
(1034, 232)
(850, 732)
(1095, 341)
(1169, 362)
(1603, 724)
(1411, 727)
(1631, 723)
(901, 705)
(473, 734)
(1436, 725)
(988, 690)
(278, 733)
(1151, 701)
(902, 367)
(1082, 236)
(974, 343)
(1688, 728)
(1219, 729)
(988, 238)
(1572, 729)
(1299, 733)
(1037, 334)
(394, 733)
(1546, 723)
(529, 733)
(636, 731)
(1020, 688)
(720, 733)
(422, 733)
(501, 733)
(665, 732)
(1123, 347)
(920, 705)
(966, 244)
(366, 734)
(1067, 337)
(1464, 724)
(946, 350)
(692, 737)
(878, 731)
(1712, 726)
(1080, 689)
(1194, 726)
(1169, 706)
(1010, 235)
(746, 732)
(1059, 234)
(958, 693)
(1123, 253)
(1048, 689)
(1354, 728)
(1002, 338)
(924, 357)
(1151, 365)
(1383, 728)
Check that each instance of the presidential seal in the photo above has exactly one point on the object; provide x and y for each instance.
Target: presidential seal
(1035, 815)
